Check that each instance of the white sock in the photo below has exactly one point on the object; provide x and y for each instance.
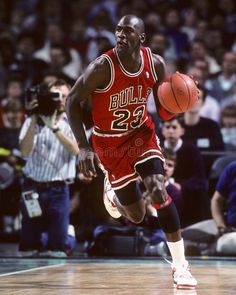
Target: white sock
(177, 252)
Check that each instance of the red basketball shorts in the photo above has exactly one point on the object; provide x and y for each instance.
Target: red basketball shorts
(120, 154)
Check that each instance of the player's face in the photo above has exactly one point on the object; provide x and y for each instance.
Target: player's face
(128, 36)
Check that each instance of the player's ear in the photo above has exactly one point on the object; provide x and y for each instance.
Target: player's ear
(142, 37)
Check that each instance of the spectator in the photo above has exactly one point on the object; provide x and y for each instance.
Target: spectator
(55, 36)
(160, 44)
(60, 63)
(12, 115)
(190, 22)
(210, 107)
(14, 89)
(228, 9)
(217, 236)
(228, 126)
(50, 150)
(174, 34)
(50, 77)
(201, 28)
(202, 132)
(225, 193)
(203, 8)
(153, 23)
(222, 85)
(14, 92)
(214, 42)
(198, 50)
(10, 159)
(94, 48)
(78, 37)
(229, 100)
(203, 65)
(24, 61)
(7, 52)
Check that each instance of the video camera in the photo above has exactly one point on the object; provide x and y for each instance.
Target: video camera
(48, 101)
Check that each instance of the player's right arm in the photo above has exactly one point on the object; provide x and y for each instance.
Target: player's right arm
(96, 75)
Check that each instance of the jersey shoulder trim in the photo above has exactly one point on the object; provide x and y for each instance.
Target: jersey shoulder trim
(151, 62)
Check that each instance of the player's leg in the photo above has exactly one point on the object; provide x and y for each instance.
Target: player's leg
(130, 203)
(127, 201)
(152, 174)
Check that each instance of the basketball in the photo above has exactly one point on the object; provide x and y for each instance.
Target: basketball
(177, 93)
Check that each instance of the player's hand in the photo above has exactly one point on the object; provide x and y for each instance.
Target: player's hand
(87, 159)
(50, 121)
(196, 83)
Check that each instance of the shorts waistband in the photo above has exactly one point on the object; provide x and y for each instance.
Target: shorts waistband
(99, 132)
(102, 133)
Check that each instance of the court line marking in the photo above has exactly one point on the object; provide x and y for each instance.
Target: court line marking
(31, 269)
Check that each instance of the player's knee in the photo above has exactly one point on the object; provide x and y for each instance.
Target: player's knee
(156, 188)
(136, 217)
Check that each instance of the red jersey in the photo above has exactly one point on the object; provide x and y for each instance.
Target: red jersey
(121, 106)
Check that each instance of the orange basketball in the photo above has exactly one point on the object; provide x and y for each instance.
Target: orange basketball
(178, 93)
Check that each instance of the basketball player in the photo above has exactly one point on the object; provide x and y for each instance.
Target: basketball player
(125, 144)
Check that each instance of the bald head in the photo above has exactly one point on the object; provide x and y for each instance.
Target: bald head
(133, 21)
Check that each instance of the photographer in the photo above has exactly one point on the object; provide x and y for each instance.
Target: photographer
(47, 143)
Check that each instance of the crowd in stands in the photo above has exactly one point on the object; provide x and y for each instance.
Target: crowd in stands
(47, 40)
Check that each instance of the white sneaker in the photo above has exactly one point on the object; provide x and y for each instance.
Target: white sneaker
(183, 278)
(108, 199)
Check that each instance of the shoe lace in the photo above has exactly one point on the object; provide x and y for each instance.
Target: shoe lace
(183, 271)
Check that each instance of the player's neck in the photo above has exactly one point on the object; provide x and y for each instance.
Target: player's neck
(131, 62)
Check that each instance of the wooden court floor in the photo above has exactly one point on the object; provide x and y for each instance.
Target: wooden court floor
(111, 276)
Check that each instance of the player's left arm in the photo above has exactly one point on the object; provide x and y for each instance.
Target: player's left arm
(160, 69)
